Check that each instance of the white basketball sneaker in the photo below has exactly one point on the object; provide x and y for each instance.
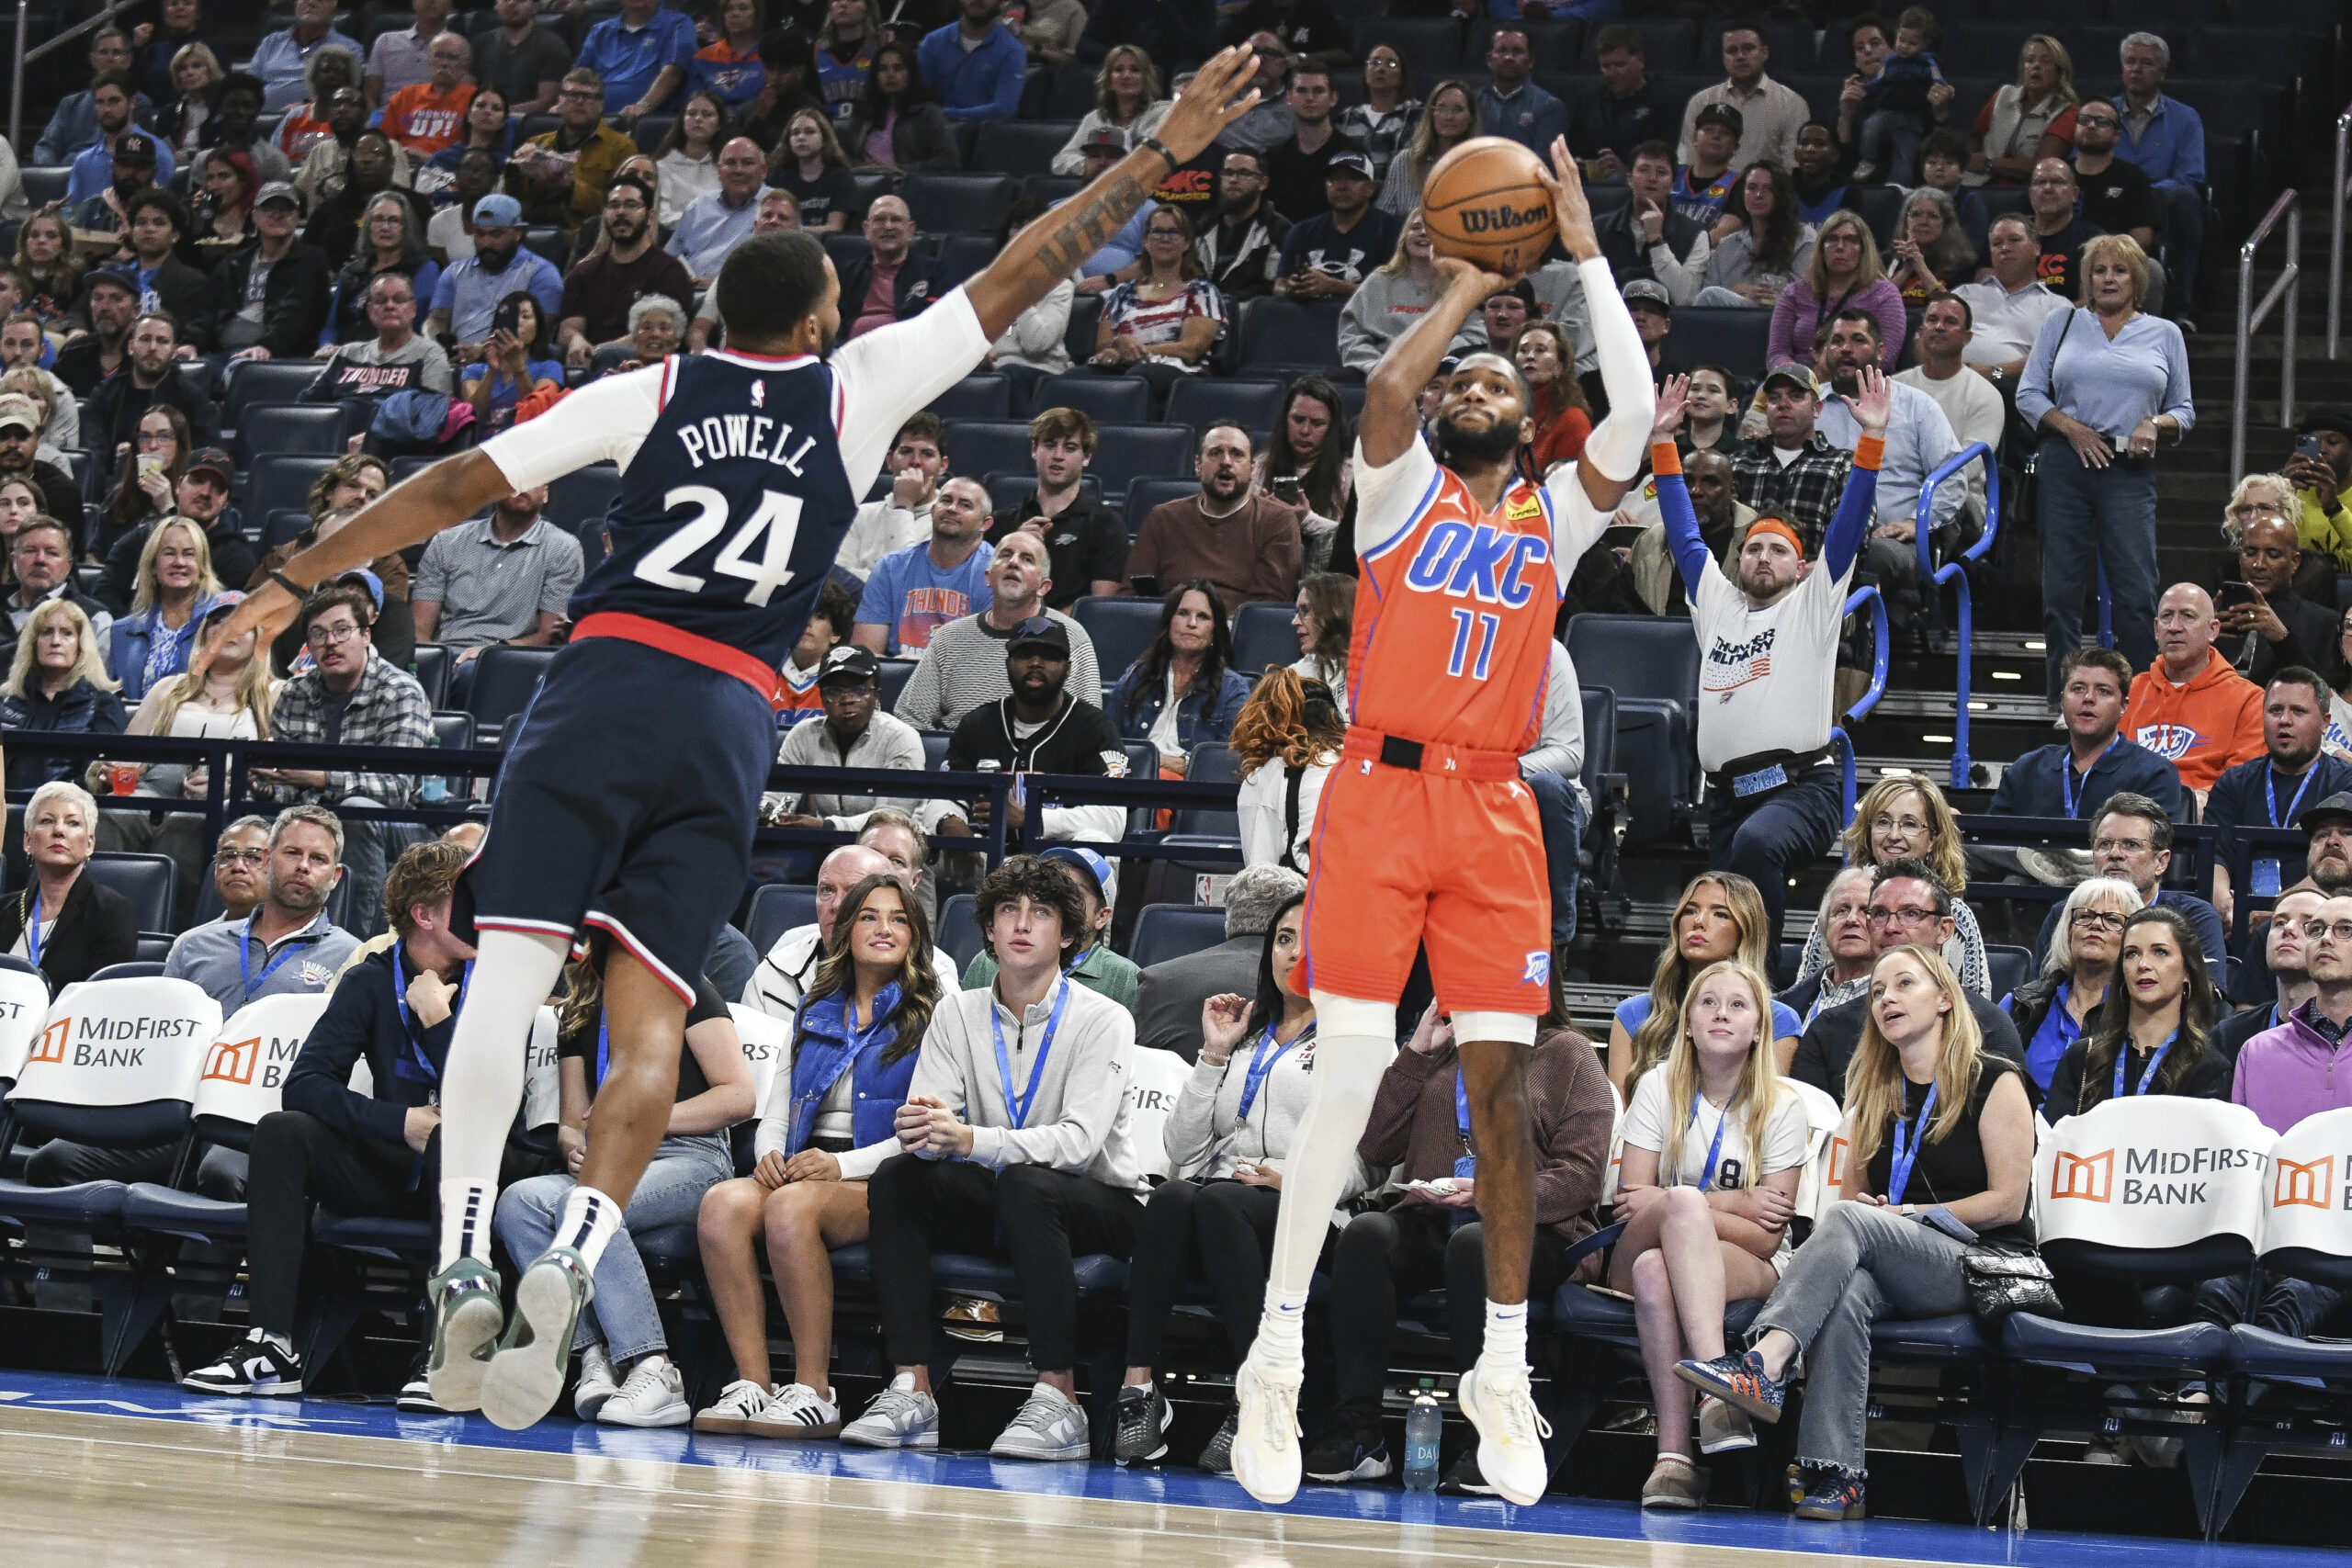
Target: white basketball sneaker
(1266, 1456)
(1510, 1433)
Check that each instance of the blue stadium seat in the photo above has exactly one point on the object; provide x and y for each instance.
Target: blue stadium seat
(1211, 762)
(129, 969)
(2009, 967)
(282, 526)
(549, 242)
(432, 671)
(455, 732)
(896, 674)
(1284, 336)
(1719, 335)
(288, 428)
(950, 203)
(1201, 401)
(281, 482)
(847, 249)
(1144, 494)
(1652, 665)
(934, 748)
(1121, 629)
(776, 909)
(1263, 637)
(988, 446)
(1075, 92)
(1105, 398)
(961, 256)
(1020, 146)
(650, 132)
(580, 500)
(976, 397)
(1085, 325)
(43, 186)
(147, 881)
(264, 381)
(506, 679)
(1171, 930)
(957, 936)
(1139, 452)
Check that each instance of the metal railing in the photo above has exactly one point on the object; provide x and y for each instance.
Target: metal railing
(2251, 316)
(25, 56)
(1847, 783)
(1955, 572)
(2336, 193)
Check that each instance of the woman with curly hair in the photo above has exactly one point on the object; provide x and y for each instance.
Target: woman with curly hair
(1906, 817)
(1932, 251)
(1296, 724)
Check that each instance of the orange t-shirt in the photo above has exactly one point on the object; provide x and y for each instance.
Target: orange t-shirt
(424, 121)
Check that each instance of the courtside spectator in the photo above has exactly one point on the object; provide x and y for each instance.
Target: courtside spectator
(1906, 817)
(688, 164)
(424, 117)
(1053, 1171)
(917, 588)
(397, 359)
(42, 557)
(2268, 791)
(854, 1045)
(271, 297)
(1919, 439)
(829, 625)
(1328, 256)
(1630, 108)
(1087, 541)
(1182, 691)
(1448, 119)
(1510, 105)
(2320, 479)
(503, 581)
(2007, 309)
(897, 126)
(74, 127)
(1718, 918)
(2117, 197)
(1843, 923)
(1803, 490)
(522, 59)
(1295, 165)
(1037, 727)
(782, 980)
(239, 872)
(2188, 706)
(466, 301)
(1248, 545)
(2274, 629)
(283, 944)
(1094, 966)
(1311, 443)
(1171, 995)
(1646, 239)
(331, 69)
(717, 220)
(1770, 112)
(2159, 1038)
(1160, 322)
(888, 284)
(2059, 225)
(202, 497)
(641, 57)
(1037, 342)
(67, 925)
(2131, 839)
(2285, 957)
(1703, 184)
(854, 733)
(1287, 738)
(898, 839)
(975, 64)
(176, 590)
(2030, 119)
(1270, 121)
(1396, 295)
(917, 460)
(2051, 1010)
(57, 678)
(561, 177)
(632, 264)
(1766, 243)
(2075, 776)
(2165, 138)
(1128, 99)
(1846, 275)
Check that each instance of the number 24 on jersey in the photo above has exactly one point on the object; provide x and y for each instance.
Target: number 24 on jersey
(770, 531)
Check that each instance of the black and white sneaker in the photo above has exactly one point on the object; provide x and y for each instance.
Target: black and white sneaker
(1350, 1450)
(1144, 1416)
(1217, 1458)
(416, 1394)
(253, 1367)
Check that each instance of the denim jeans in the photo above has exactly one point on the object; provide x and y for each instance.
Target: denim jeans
(1860, 1264)
(1891, 139)
(368, 851)
(1559, 805)
(2093, 518)
(622, 1315)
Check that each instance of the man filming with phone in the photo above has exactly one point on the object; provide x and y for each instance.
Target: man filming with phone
(2321, 471)
(2265, 626)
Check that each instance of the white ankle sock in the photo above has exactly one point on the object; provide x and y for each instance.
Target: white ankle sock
(481, 1081)
(1506, 1346)
(589, 1221)
(904, 1383)
(277, 1342)
(1282, 1330)
(1042, 1387)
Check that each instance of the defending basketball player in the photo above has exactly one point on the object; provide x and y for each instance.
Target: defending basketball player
(626, 809)
(1426, 836)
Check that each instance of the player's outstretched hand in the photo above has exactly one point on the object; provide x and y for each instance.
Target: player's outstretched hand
(1455, 272)
(1671, 395)
(1218, 95)
(1874, 400)
(267, 610)
(1569, 207)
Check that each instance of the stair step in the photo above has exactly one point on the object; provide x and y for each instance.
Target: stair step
(1983, 705)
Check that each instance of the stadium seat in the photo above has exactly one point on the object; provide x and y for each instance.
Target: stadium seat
(129, 969)
(957, 203)
(934, 749)
(281, 482)
(149, 882)
(432, 671)
(1201, 401)
(1724, 336)
(1085, 325)
(1556, 45)
(848, 249)
(1879, 205)
(288, 428)
(1211, 762)
(1020, 146)
(776, 909)
(1106, 400)
(1652, 665)
(1284, 336)
(961, 256)
(958, 935)
(1789, 38)
(649, 132)
(1121, 630)
(264, 381)
(282, 527)
(506, 679)
(896, 674)
(989, 447)
(1139, 452)
(43, 186)
(1075, 91)
(2009, 967)
(1172, 930)
(407, 468)
(976, 397)
(579, 501)
(1432, 46)
(1263, 637)
(1144, 494)
(455, 732)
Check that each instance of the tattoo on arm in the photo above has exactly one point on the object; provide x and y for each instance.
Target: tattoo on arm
(1083, 231)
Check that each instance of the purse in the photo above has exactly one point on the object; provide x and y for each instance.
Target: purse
(2003, 1277)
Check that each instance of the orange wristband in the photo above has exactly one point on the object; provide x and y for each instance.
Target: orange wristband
(1870, 451)
(1665, 458)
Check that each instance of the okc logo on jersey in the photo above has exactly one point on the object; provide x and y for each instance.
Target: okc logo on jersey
(1478, 561)
(1538, 971)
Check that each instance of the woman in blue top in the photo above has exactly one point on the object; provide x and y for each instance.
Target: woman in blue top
(2055, 1007)
(175, 586)
(2103, 385)
(1183, 689)
(1720, 916)
(830, 1119)
(518, 363)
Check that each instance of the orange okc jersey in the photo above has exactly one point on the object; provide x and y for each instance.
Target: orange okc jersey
(1453, 616)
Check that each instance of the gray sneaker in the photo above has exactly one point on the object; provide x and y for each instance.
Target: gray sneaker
(1217, 1458)
(524, 1378)
(1047, 1427)
(899, 1418)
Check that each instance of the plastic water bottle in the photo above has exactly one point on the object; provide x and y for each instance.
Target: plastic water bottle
(435, 789)
(1423, 1423)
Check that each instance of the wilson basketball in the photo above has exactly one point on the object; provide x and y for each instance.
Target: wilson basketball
(1486, 203)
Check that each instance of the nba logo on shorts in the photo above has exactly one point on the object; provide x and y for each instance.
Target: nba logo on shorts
(1539, 969)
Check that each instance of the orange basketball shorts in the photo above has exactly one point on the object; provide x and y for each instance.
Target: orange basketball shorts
(1405, 859)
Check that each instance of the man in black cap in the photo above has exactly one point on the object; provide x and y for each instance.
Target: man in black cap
(270, 298)
(2322, 470)
(1295, 166)
(202, 495)
(108, 212)
(1039, 729)
(854, 733)
(2327, 863)
(1703, 184)
(1328, 256)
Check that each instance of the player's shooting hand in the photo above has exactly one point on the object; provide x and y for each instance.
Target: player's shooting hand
(1570, 207)
(1457, 274)
(1218, 95)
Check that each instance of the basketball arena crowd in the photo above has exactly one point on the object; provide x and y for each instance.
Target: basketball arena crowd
(262, 273)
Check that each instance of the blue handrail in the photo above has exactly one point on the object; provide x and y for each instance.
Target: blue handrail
(1866, 594)
(1955, 572)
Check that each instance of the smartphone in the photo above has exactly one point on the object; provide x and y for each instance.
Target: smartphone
(2236, 594)
(1146, 586)
(509, 319)
(2307, 447)
(1284, 487)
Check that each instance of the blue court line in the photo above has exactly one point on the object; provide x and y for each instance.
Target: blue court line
(1886, 1540)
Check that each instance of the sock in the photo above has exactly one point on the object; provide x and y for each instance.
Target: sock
(1358, 1042)
(1143, 1387)
(482, 1082)
(589, 1221)
(282, 1343)
(1506, 1348)
(904, 1383)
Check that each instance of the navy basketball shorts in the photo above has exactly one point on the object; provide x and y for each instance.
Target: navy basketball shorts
(626, 805)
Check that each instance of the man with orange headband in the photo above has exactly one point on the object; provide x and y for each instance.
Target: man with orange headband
(1769, 639)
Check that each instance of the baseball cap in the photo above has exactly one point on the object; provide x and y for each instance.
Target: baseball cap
(1040, 631)
(134, 147)
(2337, 807)
(1648, 291)
(367, 580)
(113, 277)
(278, 191)
(212, 460)
(1354, 163)
(1105, 875)
(843, 662)
(2332, 419)
(1798, 375)
(17, 410)
(222, 602)
(1722, 114)
(499, 210)
(1104, 139)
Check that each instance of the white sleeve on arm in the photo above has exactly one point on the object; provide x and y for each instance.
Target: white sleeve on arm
(603, 421)
(1388, 497)
(892, 371)
(1103, 824)
(1622, 439)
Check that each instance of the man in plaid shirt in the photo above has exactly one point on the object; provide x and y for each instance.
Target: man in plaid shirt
(352, 696)
(1793, 473)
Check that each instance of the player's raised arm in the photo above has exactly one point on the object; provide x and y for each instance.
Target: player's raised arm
(1391, 393)
(1050, 250)
(1613, 453)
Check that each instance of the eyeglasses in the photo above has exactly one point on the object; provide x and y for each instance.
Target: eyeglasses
(2096, 919)
(1905, 825)
(1909, 916)
(241, 857)
(156, 438)
(2315, 930)
(2123, 846)
(331, 637)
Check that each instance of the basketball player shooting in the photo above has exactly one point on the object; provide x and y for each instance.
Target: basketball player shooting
(1425, 834)
(626, 808)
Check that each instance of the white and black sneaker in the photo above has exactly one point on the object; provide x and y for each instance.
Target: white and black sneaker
(795, 1410)
(253, 1367)
(1144, 1416)
(1217, 1458)
(416, 1394)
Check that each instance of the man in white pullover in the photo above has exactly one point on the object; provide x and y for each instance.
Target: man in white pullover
(785, 970)
(1018, 1126)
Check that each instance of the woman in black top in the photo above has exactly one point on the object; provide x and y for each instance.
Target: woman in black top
(621, 1333)
(2162, 1041)
(68, 924)
(1943, 1152)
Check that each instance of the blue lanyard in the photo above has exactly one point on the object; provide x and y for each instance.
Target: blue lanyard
(2270, 797)
(604, 1049)
(1462, 1108)
(1018, 1108)
(32, 926)
(2066, 773)
(1714, 1150)
(245, 967)
(1261, 1063)
(1907, 1149)
(408, 1026)
(2123, 1052)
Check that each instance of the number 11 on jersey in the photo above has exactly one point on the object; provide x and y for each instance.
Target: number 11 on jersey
(1486, 628)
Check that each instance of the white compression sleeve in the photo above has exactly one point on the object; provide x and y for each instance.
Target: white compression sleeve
(482, 1082)
(1618, 448)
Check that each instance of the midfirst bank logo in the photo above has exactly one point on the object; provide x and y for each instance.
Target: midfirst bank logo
(2294, 1185)
(51, 1046)
(2150, 1178)
(233, 1061)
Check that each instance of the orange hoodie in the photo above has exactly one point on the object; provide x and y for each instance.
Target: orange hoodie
(2212, 723)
